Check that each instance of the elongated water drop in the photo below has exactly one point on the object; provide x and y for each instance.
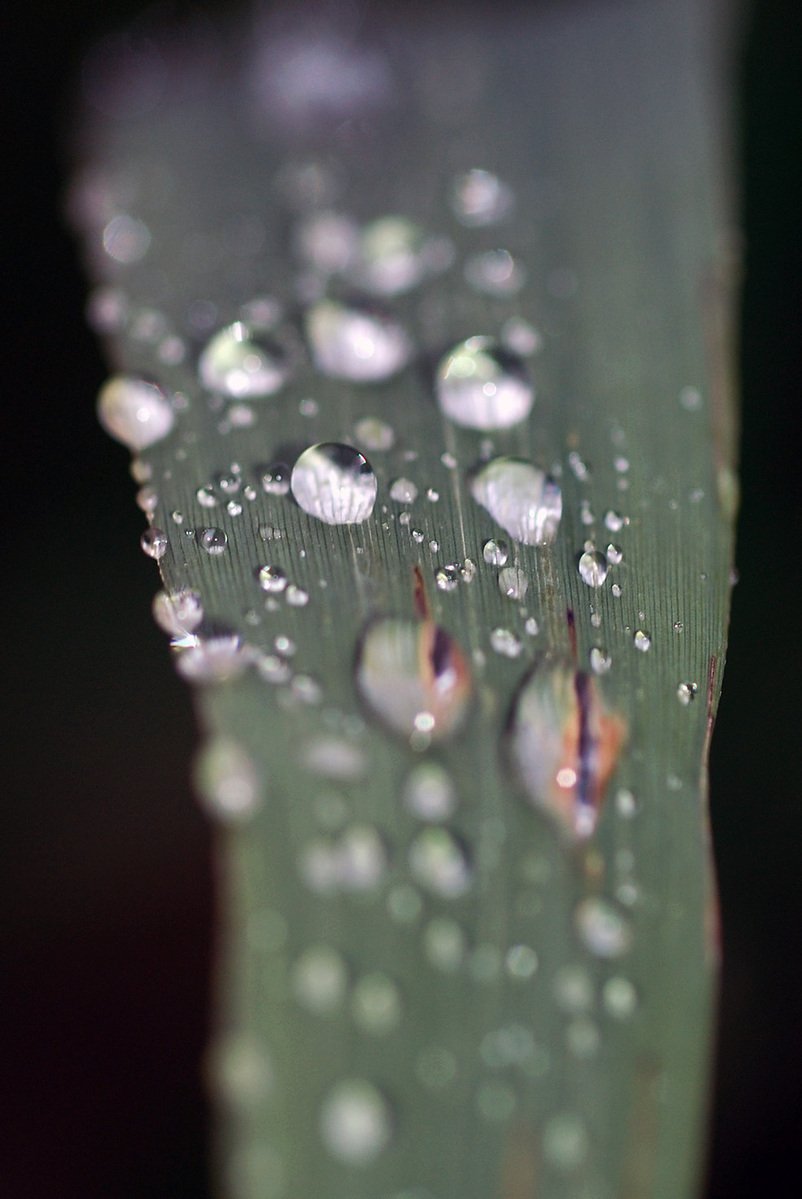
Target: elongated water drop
(334, 483)
(415, 678)
(565, 744)
(135, 412)
(356, 341)
(240, 363)
(521, 498)
(481, 385)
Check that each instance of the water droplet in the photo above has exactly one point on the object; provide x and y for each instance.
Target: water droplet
(582, 1038)
(495, 553)
(600, 660)
(691, 399)
(374, 434)
(480, 198)
(319, 979)
(239, 1068)
(296, 597)
(403, 491)
(240, 363)
(391, 257)
(513, 583)
(147, 498)
(134, 412)
(415, 678)
(565, 1142)
(362, 858)
(335, 758)
(505, 643)
(496, 1100)
(614, 554)
(355, 1122)
(496, 273)
(276, 479)
(615, 590)
(154, 542)
(125, 239)
(206, 497)
(214, 659)
(376, 1004)
(328, 241)
(429, 793)
(602, 928)
(614, 521)
(272, 578)
(619, 997)
(520, 498)
(592, 568)
(481, 385)
(573, 989)
(334, 483)
(444, 944)
(686, 693)
(439, 861)
(520, 337)
(642, 641)
(626, 803)
(565, 744)
(531, 626)
(356, 341)
(214, 541)
(521, 961)
(178, 613)
(227, 780)
(447, 577)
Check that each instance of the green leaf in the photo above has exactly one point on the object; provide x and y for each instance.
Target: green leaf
(473, 954)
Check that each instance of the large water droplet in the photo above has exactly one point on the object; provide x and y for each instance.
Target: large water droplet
(520, 498)
(134, 412)
(239, 363)
(214, 541)
(565, 744)
(440, 863)
(334, 483)
(592, 568)
(154, 542)
(415, 678)
(356, 341)
(481, 385)
(355, 1122)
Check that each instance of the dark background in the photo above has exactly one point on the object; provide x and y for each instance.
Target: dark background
(105, 909)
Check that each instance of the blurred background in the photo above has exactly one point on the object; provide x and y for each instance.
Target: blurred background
(106, 907)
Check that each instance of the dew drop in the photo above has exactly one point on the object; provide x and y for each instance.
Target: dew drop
(572, 988)
(214, 659)
(495, 273)
(276, 479)
(241, 364)
(272, 578)
(356, 341)
(614, 554)
(565, 1142)
(686, 693)
(447, 578)
(296, 596)
(614, 521)
(134, 412)
(403, 491)
(206, 497)
(521, 337)
(505, 643)
(564, 744)
(178, 613)
(444, 944)
(600, 660)
(154, 542)
(376, 1004)
(513, 583)
(495, 553)
(355, 1122)
(126, 239)
(619, 997)
(414, 677)
(520, 498)
(327, 241)
(642, 641)
(429, 793)
(521, 961)
(334, 483)
(392, 257)
(213, 541)
(374, 434)
(480, 198)
(439, 862)
(319, 979)
(480, 385)
(602, 928)
(592, 568)
(227, 780)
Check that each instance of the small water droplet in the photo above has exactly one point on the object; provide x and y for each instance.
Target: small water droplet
(690, 399)
(686, 693)
(582, 1038)
(602, 928)
(495, 552)
(439, 861)
(403, 491)
(227, 780)
(376, 1004)
(319, 979)
(513, 583)
(626, 803)
(592, 568)
(495, 273)
(126, 239)
(429, 793)
(134, 412)
(276, 479)
(480, 198)
(355, 1122)
(642, 641)
(216, 658)
(505, 643)
(214, 541)
(520, 337)
(619, 997)
(565, 1142)
(572, 988)
(531, 627)
(334, 483)
(520, 498)
(206, 497)
(356, 341)
(614, 554)
(147, 499)
(154, 542)
(600, 660)
(242, 364)
(271, 578)
(447, 577)
(296, 597)
(521, 961)
(415, 678)
(392, 257)
(178, 613)
(444, 944)
(374, 434)
(327, 241)
(614, 521)
(481, 385)
(615, 590)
